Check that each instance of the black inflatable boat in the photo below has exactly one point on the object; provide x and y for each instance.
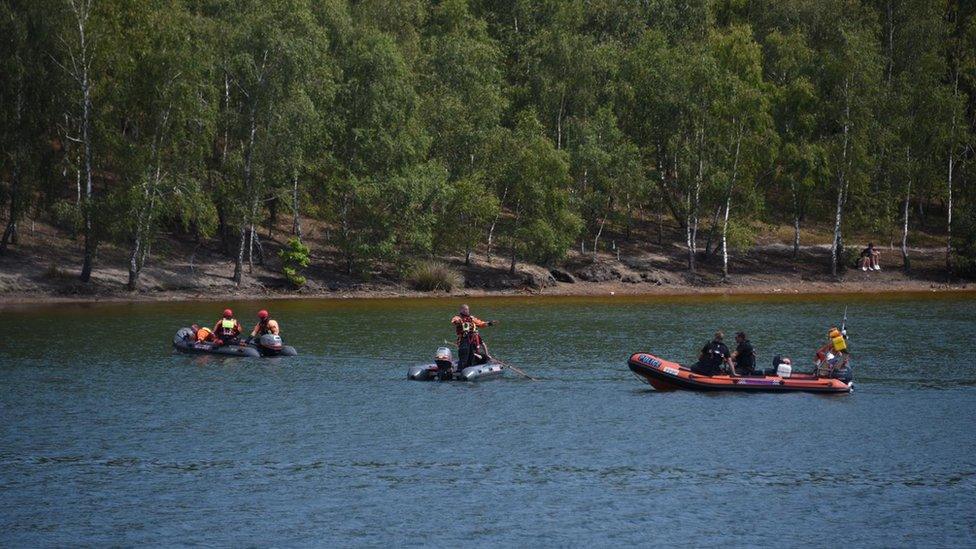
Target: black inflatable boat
(266, 346)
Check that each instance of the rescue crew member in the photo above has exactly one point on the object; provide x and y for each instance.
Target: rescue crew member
(837, 347)
(712, 356)
(204, 335)
(227, 330)
(744, 356)
(265, 325)
(471, 348)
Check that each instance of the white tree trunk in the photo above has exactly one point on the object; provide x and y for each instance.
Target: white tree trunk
(596, 239)
(297, 223)
(948, 256)
(904, 232)
(728, 204)
(841, 183)
(494, 222)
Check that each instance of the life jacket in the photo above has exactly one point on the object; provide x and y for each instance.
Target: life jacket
(716, 353)
(203, 334)
(227, 327)
(467, 330)
(837, 341)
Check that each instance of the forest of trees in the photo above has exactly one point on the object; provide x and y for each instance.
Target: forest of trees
(515, 128)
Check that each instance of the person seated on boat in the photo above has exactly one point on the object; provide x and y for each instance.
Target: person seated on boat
(204, 335)
(744, 356)
(227, 330)
(713, 355)
(265, 325)
(833, 357)
(471, 348)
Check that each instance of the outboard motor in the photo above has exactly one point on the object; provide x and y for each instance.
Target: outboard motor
(444, 360)
(271, 342)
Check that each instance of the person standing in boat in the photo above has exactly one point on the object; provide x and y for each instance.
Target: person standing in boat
(471, 348)
(832, 359)
(744, 356)
(712, 356)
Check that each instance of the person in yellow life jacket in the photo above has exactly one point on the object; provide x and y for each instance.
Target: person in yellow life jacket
(227, 330)
(833, 356)
(471, 348)
(265, 325)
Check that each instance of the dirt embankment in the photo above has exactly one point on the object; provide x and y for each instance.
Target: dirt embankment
(44, 267)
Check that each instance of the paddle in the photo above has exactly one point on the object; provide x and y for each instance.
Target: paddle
(514, 369)
(509, 366)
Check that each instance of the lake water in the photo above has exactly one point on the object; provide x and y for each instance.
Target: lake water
(107, 437)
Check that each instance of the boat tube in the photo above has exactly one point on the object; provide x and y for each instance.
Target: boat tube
(444, 368)
(665, 375)
(267, 346)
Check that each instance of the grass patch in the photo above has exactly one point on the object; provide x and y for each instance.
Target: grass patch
(431, 276)
(54, 272)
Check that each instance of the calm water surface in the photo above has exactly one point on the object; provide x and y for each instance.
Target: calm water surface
(106, 437)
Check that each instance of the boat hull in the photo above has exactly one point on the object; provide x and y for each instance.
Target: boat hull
(480, 372)
(183, 342)
(665, 375)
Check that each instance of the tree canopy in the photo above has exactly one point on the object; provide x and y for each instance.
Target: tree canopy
(520, 129)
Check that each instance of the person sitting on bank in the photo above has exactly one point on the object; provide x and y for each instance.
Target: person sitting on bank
(228, 330)
(713, 355)
(266, 325)
(744, 356)
(471, 348)
(833, 357)
(869, 258)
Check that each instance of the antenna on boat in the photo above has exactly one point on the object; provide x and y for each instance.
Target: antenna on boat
(843, 324)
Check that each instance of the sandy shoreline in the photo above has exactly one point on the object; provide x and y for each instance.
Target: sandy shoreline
(579, 289)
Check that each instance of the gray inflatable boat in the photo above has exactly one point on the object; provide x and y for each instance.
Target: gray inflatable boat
(444, 368)
(266, 346)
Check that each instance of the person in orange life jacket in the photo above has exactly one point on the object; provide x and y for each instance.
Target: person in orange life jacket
(265, 325)
(471, 348)
(836, 346)
(227, 330)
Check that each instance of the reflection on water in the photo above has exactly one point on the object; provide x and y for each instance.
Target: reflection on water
(107, 437)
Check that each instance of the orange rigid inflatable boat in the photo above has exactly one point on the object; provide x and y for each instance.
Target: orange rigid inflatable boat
(665, 375)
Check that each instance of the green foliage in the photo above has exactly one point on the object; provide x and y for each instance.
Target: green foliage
(431, 276)
(294, 258)
(66, 215)
(413, 128)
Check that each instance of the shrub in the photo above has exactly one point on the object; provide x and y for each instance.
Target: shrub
(67, 216)
(54, 272)
(294, 258)
(430, 276)
(848, 258)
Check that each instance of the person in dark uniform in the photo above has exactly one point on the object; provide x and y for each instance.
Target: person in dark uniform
(744, 356)
(712, 356)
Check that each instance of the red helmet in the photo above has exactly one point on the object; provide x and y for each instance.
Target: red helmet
(262, 314)
(228, 313)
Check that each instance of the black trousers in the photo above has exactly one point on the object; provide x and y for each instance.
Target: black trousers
(470, 354)
(706, 369)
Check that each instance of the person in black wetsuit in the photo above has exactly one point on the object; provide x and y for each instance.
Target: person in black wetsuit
(744, 356)
(712, 356)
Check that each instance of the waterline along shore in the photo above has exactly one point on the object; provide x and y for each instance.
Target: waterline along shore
(20, 289)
